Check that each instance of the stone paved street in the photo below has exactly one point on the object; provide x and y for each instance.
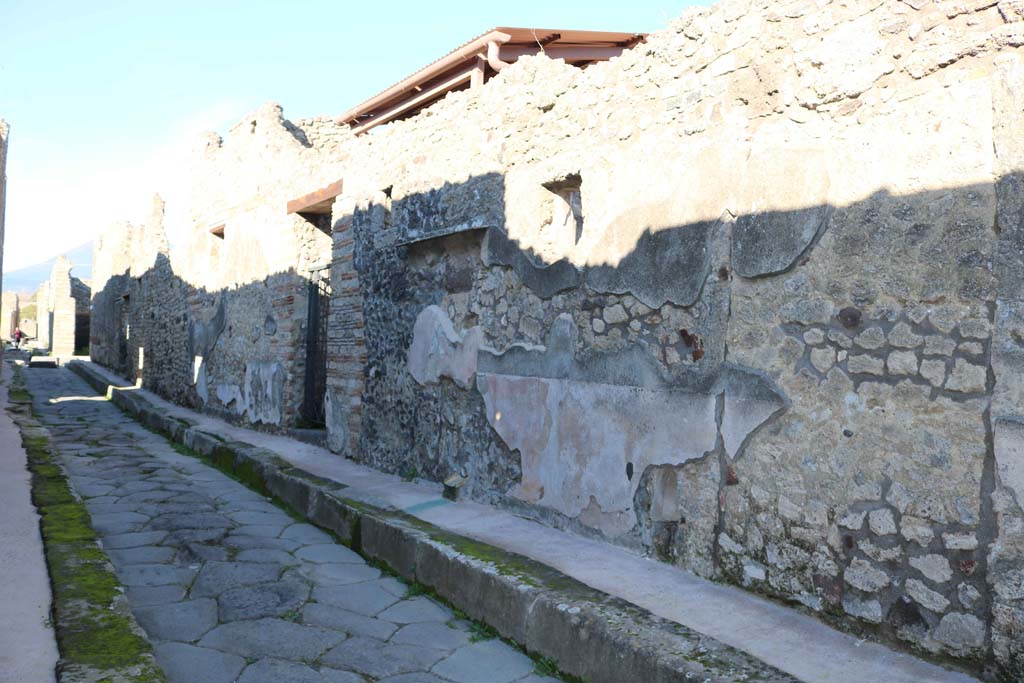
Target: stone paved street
(231, 588)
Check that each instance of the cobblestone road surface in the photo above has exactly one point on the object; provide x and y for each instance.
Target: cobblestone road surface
(229, 587)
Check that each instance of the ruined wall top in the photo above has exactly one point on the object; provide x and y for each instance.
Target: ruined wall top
(126, 248)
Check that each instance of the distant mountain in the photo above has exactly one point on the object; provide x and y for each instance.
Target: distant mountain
(29, 278)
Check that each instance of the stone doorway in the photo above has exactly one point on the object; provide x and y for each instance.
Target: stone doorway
(318, 307)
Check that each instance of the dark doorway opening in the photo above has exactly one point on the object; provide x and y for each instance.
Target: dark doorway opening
(318, 307)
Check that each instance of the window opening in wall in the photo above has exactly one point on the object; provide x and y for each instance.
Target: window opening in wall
(215, 244)
(316, 207)
(567, 205)
(387, 206)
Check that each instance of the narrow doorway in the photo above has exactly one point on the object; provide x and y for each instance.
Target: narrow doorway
(318, 307)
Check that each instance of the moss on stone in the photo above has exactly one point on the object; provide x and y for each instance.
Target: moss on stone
(18, 395)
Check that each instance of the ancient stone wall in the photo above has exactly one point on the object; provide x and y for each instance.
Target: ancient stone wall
(61, 307)
(43, 323)
(9, 315)
(743, 297)
(220, 324)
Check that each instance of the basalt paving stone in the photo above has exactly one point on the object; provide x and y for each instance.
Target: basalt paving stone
(144, 596)
(377, 659)
(93, 490)
(328, 552)
(351, 623)
(135, 487)
(245, 542)
(158, 509)
(268, 555)
(336, 676)
(262, 600)
(281, 671)
(246, 506)
(216, 577)
(133, 540)
(216, 574)
(339, 574)
(273, 638)
(264, 530)
(154, 575)
(413, 678)
(148, 496)
(257, 518)
(186, 536)
(490, 661)
(107, 508)
(118, 522)
(306, 534)
(179, 621)
(189, 664)
(416, 610)
(201, 520)
(432, 634)
(147, 554)
(202, 552)
(362, 598)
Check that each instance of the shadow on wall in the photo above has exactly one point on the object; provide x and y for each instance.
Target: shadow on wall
(237, 353)
(800, 402)
(817, 404)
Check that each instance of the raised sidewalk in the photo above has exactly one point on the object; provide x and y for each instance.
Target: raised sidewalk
(28, 648)
(601, 612)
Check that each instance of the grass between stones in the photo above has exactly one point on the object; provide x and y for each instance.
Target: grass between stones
(97, 639)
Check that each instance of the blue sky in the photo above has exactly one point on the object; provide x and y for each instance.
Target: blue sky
(104, 98)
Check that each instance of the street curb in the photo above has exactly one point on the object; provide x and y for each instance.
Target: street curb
(591, 635)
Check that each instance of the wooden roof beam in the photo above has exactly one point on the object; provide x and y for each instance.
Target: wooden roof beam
(582, 53)
(318, 202)
(458, 79)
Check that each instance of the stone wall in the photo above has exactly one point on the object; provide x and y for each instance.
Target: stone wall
(42, 297)
(745, 298)
(10, 315)
(220, 324)
(61, 307)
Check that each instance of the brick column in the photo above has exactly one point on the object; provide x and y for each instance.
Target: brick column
(346, 345)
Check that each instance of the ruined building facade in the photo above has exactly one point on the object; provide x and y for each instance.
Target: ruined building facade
(63, 310)
(746, 298)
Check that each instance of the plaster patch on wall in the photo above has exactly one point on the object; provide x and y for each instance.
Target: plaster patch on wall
(264, 389)
(576, 438)
(230, 396)
(336, 416)
(751, 399)
(1009, 452)
(439, 351)
(586, 429)
(203, 335)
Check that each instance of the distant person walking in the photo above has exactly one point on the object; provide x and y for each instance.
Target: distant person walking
(17, 337)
